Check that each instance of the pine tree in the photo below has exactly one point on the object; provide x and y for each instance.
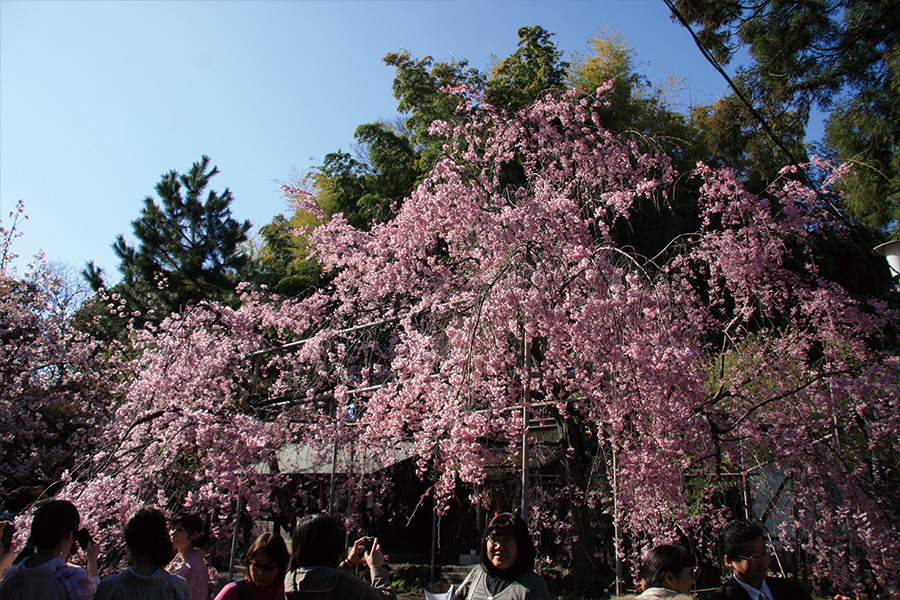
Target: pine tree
(189, 247)
(841, 57)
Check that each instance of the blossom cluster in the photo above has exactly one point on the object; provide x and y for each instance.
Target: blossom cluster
(500, 295)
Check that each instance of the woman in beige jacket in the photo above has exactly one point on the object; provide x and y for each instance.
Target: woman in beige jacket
(667, 574)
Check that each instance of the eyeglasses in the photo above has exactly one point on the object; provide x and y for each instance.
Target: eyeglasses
(757, 556)
(500, 540)
(262, 567)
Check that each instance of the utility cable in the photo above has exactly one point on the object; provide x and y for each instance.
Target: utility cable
(709, 57)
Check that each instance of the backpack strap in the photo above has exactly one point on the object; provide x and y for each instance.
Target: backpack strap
(243, 590)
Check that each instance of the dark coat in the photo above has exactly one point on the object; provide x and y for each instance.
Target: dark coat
(782, 589)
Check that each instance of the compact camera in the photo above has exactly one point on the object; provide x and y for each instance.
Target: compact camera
(83, 539)
(368, 543)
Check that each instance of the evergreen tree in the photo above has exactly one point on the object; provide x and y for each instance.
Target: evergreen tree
(189, 248)
(532, 70)
(841, 56)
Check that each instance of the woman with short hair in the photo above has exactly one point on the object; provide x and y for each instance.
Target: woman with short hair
(506, 565)
(267, 560)
(316, 570)
(148, 542)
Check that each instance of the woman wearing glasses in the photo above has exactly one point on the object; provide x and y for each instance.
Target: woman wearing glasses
(267, 561)
(506, 565)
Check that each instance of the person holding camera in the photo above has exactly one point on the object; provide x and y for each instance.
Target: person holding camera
(45, 573)
(317, 571)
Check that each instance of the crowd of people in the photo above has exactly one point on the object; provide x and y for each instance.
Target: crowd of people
(167, 562)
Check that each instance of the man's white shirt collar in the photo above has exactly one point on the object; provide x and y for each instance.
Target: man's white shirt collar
(753, 592)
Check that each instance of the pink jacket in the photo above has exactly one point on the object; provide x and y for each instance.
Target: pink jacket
(192, 566)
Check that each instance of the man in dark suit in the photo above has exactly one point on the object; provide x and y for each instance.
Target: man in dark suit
(748, 556)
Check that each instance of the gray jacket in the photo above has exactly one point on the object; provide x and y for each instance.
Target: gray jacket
(529, 586)
(327, 583)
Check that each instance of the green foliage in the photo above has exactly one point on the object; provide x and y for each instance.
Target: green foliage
(840, 56)
(613, 59)
(405, 587)
(280, 260)
(417, 87)
(392, 170)
(638, 110)
(866, 131)
(340, 184)
(731, 135)
(366, 191)
(634, 103)
(532, 70)
(189, 248)
(368, 186)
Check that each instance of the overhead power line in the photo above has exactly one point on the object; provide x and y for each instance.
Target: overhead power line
(740, 94)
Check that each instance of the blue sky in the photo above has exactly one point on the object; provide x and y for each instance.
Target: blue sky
(99, 99)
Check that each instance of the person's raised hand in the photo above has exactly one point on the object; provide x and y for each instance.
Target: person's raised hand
(375, 557)
(357, 552)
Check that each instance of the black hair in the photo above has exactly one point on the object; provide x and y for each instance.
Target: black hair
(318, 541)
(192, 523)
(665, 559)
(274, 547)
(739, 531)
(147, 534)
(514, 526)
(53, 521)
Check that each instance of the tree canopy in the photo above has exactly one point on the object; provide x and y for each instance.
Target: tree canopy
(840, 56)
(481, 282)
(56, 383)
(729, 353)
(479, 299)
(189, 247)
(392, 158)
(536, 67)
